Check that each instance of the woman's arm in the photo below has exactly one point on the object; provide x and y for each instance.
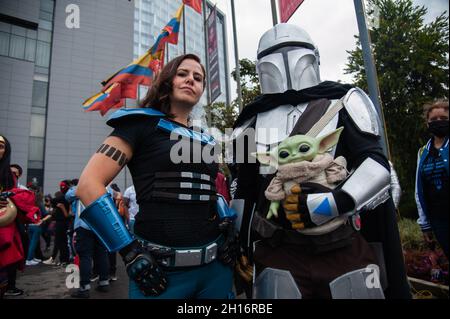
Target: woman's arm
(102, 168)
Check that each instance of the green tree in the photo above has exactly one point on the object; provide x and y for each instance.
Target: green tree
(249, 81)
(412, 65)
(223, 116)
(220, 115)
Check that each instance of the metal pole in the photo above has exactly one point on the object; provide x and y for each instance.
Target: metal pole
(274, 12)
(371, 72)
(167, 52)
(184, 29)
(225, 49)
(205, 26)
(236, 57)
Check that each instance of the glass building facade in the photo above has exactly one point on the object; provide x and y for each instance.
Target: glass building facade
(29, 41)
(151, 16)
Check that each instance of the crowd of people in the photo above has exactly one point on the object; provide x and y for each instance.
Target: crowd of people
(56, 236)
(53, 233)
(174, 228)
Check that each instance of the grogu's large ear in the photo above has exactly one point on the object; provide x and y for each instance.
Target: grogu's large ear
(265, 158)
(328, 141)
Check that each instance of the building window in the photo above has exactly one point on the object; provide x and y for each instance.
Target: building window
(17, 42)
(45, 15)
(43, 54)
(17, 47)
(46, 25)
(36, 149)
(4, 43)
(39, 97)
(44, 35)
(37, 125)
(47, 5)
(30, 50)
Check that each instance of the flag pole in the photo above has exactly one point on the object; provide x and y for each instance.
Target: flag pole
(205, 28)
(184, 29)
(167, 52)
(371, 72)
(236, 57)
(274, 12)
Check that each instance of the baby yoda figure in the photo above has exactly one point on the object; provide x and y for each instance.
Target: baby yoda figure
(300, 159)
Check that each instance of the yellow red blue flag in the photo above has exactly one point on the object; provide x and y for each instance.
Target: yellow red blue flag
(125, 82)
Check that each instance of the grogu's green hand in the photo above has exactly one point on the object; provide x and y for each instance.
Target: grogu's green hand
(273, 209)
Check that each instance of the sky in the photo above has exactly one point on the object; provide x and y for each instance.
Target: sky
(330, 23)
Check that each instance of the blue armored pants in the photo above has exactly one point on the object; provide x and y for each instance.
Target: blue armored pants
(210, 281)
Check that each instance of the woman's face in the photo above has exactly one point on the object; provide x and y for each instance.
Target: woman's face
(2, 149)
(187, 85)
(437, 114)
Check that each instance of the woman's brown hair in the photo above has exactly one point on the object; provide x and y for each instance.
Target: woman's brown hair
(158, 97)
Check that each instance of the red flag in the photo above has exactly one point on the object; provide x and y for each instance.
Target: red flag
(195, 4)
(288, 8)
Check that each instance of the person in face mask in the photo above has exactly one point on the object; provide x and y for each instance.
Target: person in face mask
(432, 176)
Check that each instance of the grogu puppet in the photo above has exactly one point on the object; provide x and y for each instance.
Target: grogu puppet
(300, 159)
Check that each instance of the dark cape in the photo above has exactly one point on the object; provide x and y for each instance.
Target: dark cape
(266, 102)
(378, 225)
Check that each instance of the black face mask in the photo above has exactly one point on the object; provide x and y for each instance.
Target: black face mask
(438, 128)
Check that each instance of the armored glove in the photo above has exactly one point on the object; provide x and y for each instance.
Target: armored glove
(228, 252)
(244, 269)
(143, 269)
(313, 204)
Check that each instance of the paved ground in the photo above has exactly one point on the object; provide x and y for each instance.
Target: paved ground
(49, 282)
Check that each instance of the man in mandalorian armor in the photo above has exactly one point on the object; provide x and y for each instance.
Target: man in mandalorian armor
(343, 242)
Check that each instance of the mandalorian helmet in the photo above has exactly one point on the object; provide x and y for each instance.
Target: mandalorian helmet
(287, 60)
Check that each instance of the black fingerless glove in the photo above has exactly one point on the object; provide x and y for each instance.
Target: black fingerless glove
(143, 269)
(228, 252)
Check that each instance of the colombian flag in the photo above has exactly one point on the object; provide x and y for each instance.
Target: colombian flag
(140, 70)
(137, 72)
(104, 101)
(169, 33)
(124, 83)
(195, 4)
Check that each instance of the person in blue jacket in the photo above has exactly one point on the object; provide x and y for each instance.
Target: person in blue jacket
(89, 249)
(432, 176)
(184, 247)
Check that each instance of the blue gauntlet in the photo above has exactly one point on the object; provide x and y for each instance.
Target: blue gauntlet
(104, 220)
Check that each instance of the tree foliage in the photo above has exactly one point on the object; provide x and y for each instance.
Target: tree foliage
(223, 116)
(220, 115)
(412, 65)
(249, 81)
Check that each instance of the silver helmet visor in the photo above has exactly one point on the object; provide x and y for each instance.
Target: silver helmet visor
(288, 68)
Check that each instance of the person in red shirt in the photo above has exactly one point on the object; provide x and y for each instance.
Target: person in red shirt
(21, 201)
